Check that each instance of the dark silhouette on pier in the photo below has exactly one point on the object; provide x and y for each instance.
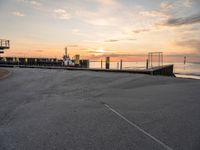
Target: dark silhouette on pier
(4, 44)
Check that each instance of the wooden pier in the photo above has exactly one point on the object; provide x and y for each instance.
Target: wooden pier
(165, 70)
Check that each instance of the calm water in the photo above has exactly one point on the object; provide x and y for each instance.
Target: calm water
(189, 70)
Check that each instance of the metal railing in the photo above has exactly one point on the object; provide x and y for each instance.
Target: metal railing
(155, 59)
(119, 65)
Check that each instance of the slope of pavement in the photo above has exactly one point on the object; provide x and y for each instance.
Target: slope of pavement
(59, 109)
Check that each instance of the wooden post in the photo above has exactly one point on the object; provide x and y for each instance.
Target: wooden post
(107, 62)
(184, 60)
(147, 64)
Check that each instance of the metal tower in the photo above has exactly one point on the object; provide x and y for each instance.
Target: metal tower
(4, 44)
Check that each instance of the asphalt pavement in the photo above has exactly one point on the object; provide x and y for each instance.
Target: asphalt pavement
(82, 110)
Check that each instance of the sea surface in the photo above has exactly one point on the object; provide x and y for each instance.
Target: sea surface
(188, 70)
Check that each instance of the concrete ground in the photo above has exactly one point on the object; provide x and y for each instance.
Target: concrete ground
(73, 110)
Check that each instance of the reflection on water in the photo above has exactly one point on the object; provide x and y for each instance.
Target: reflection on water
(187, 76)
(188, 70)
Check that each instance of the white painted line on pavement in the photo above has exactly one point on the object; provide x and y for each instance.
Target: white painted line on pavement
(137, 127)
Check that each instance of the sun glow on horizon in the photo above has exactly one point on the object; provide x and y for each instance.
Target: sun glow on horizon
(101, 50)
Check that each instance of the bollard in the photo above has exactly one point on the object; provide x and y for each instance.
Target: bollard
(107, 62)
(121, 64)
(147, 64)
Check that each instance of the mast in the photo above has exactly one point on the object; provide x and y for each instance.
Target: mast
(66, 51)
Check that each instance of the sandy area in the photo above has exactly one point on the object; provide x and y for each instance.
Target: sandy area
(59, 109)
(3, 73)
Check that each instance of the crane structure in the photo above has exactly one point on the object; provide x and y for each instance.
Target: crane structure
(4, 44)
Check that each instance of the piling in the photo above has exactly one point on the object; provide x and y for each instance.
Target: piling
(107, 62)
(147, 64)
(184, 60)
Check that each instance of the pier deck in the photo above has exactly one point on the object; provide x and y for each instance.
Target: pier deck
(165, 70)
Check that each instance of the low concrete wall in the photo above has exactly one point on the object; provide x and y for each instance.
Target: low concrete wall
(163, 70)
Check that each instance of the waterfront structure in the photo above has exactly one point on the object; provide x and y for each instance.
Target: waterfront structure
(4, 44)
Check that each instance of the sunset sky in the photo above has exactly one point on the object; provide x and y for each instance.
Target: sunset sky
(98, 28)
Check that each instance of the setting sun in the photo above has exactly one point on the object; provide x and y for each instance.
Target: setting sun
(100, 51)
